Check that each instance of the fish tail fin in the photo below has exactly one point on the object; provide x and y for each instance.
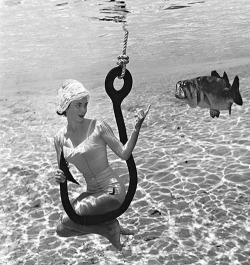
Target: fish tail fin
(236, 92)
(225, 77)
(214, 73)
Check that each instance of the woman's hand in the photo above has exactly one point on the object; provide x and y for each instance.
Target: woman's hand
(59, 176)
(140, 117)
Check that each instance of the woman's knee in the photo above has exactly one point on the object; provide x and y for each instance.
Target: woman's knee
(97, 205)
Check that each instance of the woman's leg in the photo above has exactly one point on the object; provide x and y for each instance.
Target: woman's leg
(61, 230)
(101, 203)
(87, 204)
(104, 203)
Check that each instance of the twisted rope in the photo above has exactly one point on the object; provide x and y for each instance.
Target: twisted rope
(123, 59)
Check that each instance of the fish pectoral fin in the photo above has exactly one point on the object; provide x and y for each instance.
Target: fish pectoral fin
(191, 95)
(206, 100)
(194, 94)
(214, 113)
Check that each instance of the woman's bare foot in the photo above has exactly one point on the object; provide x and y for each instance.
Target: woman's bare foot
(111, 231)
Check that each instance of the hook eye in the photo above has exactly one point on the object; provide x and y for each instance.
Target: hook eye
(117, 96)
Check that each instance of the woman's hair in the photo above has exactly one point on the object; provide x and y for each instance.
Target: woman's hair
(61, 114)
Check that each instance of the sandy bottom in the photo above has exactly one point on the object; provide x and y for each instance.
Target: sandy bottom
(192, 205)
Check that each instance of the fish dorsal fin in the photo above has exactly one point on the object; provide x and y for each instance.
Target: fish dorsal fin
(225, 77)
(236, 92)
(214, 73)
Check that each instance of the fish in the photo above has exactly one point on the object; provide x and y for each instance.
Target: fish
(213, 92)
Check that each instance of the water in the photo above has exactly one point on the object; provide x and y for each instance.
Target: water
(50, 39)
(192, 201)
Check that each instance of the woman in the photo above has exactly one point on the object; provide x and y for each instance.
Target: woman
(84, 143)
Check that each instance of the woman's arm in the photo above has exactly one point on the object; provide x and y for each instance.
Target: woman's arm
(58, 149)
(124, 151)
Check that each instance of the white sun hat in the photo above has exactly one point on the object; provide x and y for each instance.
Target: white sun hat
(70, 90)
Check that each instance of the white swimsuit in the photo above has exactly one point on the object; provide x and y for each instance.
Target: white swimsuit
(90, 158)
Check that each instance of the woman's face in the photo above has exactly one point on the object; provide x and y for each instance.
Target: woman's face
(77, 110)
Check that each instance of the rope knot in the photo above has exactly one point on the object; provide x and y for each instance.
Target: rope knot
(123, 59)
